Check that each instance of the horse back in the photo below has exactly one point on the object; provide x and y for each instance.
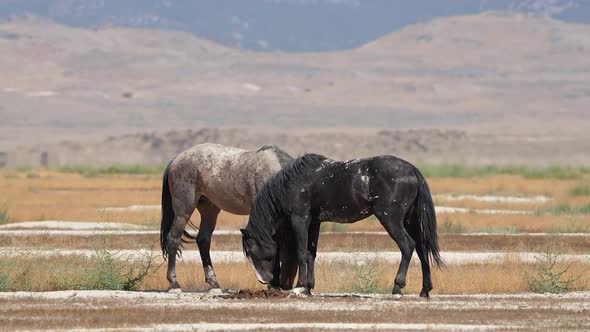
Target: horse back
(346, 191)
(229, 177)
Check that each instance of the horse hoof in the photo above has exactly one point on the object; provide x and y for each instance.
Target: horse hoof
(396, 296)
(175, 290)
(273, 287)
(424, 295)
(396, 291)
(299, 291)
(215, 291)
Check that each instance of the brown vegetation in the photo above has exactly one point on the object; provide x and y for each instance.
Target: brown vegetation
(51, 195)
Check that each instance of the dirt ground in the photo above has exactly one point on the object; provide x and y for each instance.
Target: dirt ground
(198, 311)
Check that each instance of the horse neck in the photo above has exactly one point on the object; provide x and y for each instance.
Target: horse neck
(267, 212)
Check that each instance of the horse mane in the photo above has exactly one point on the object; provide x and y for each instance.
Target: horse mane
(267, 206)
(283, 157)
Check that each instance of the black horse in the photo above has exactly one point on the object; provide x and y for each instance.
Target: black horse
(313, 189)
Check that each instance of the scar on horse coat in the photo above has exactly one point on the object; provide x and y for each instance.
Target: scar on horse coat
(313, 189)
(211, 178)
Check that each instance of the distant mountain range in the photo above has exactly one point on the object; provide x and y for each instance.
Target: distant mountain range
(279, 25)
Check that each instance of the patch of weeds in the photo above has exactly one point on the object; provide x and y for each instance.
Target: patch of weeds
(565, 209)
(333, 227)
(11, 175)
(5, 282)
(4, 215)
(551, 273)
(103, 271)
(580, 189)
(24, 169)
(502, 230)
(32, 175)
(122, 272)
(372, 220)
(448, 226)
(365, 277)
(104, 274)
(90, 171)
(555, 172)
(462, 171)
(572, 226)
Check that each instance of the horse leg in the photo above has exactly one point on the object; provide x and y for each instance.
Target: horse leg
(392, 221)
(426, 280)
(300, 230)
(414, 230)
(183, 209)
(209, 213)
(288, 260)
(314, 234)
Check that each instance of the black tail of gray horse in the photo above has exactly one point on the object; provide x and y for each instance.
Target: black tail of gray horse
(424, 208)
(167, 212)
(168, 215)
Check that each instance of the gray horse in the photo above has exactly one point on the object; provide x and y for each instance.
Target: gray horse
(210, 178)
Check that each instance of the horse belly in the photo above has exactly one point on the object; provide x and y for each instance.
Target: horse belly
(344, 199)
(233, 195)
(344, 212)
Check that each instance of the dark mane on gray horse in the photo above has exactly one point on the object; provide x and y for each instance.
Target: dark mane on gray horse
(266, 206)
(284, 158)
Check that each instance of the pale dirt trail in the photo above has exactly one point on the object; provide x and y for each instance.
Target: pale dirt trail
(359, 257)
(160, 311)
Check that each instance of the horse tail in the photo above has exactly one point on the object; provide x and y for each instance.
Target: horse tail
(167, 212)
(424, 209)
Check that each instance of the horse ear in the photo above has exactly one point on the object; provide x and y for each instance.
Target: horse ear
(245, 233)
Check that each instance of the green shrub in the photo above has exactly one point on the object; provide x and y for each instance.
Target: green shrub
(333, 227)
(547, 277)
(448, 226)
(4, 216)
(565, 209)
(90, 171)
(572, 226)
(104, 271)
(580, 189)
(502, 230)
(365, 276)
(5, 282)
(462, 171)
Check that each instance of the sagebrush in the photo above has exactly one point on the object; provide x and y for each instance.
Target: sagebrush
(551, 273)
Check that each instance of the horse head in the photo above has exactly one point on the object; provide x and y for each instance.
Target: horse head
(261, 256)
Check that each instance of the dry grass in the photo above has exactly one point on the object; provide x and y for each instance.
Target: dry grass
(328, 242)
(508, 277)
(47, 195)
(59, 196)
(50, 195)
(502, 185)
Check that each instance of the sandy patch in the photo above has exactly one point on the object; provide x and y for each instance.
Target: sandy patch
(313, 327)
(46, 93)
(131, 208)
(495, 199)
(449, 209)
(456, 258)
(73, 225)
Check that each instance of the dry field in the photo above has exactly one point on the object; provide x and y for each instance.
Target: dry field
(34, 259)
(51, 195)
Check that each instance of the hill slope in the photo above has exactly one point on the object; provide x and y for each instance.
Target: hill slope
(287, 25)
(493, 72)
